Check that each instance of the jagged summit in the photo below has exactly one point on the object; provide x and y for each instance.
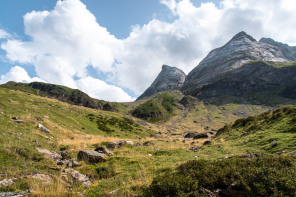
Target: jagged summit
(242, 35)
(168, 79)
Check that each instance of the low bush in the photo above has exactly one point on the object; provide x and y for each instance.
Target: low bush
(263, 176)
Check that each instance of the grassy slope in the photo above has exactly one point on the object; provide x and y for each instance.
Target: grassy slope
(63, 93)
(69, 125)
(255, 134)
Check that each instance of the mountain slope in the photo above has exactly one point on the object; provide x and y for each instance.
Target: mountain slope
(169, 78)
(241, 49)
(253, 77)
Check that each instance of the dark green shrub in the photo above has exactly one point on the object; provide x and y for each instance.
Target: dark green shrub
(105, 172)
(263, 176)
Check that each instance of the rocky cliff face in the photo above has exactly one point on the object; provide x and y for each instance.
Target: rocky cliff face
(226, 70)
(252, 78)
(168, 79)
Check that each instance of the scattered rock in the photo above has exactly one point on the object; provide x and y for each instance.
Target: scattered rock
(203, 135)
(50, 154)
(194, 148)
(90, 156)
(21, 194)
(7, 182)
(43, 128)
(45, 179)
(208, 192)
(157, 136)
(207, 142)
(65, 154)
(113, 192)
(116, 144)
(15, 119)
(77, 176)
(273, 144)
(104, 150)
(148, 143)
(190, 135)
(130, 142)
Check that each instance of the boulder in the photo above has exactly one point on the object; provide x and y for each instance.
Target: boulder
(77, 176)
(43, 128)
(104, 150)
(49, 154)
(190, 135)
(90, 156)
(116, 144)
(202, 135)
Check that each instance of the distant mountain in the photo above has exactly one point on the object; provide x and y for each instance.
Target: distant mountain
(169, 78)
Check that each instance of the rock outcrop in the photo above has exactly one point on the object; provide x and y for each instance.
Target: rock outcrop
(169, 78)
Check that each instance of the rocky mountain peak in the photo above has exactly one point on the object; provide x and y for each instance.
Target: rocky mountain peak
(242, 36)
(241, 49)
(169, 78)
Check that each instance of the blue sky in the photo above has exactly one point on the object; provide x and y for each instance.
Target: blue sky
(114, 49)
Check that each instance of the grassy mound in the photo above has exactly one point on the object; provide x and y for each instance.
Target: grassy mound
(159, 108)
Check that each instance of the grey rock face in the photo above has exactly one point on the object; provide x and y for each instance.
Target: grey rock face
(256, 77)
(288, 51)
(169, 78)
(240, 49)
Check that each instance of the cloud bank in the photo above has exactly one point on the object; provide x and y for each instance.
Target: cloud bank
(67, 40)
(18, 74)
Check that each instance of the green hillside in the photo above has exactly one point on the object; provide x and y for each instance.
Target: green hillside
(71, 127)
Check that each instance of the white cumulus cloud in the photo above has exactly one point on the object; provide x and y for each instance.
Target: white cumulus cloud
(101, 90)
(4, 34)
(18, 74)
(67, 40)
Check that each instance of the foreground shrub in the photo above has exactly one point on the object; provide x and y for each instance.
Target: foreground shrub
(264, 176)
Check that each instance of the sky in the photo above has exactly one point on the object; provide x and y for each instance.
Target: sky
(113, 50)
